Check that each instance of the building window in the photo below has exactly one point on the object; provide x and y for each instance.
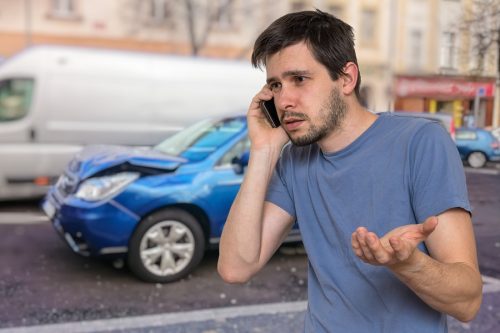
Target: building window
(298, 5)
(159, 11)
(415, 49)
(336, 10)
(224, 14)
(368, 26)
(478, 57)
(65, 9)
(448, 50)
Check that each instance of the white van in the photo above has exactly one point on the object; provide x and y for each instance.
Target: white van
(54, 100)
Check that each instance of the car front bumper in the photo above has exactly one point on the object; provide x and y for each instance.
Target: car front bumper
(91, 229)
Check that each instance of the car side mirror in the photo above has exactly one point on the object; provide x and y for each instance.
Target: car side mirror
(240, 162)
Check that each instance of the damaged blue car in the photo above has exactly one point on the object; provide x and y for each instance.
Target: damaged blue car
(156, 208)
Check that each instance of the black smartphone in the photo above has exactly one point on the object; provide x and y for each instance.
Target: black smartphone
(270, 112)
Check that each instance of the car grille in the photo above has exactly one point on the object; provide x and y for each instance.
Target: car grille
(66, 185)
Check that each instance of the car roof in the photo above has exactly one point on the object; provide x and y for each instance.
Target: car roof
(473, 129)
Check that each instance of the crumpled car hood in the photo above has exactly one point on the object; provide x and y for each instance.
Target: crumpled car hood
(95, 158)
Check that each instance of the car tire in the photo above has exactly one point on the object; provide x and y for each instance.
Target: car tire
(166, 246)
(477, 159)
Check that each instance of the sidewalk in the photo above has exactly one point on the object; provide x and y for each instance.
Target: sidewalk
(275, 317)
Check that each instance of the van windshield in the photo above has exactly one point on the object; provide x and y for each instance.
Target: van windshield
(198, 141)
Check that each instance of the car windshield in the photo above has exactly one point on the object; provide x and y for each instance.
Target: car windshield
(198, 141)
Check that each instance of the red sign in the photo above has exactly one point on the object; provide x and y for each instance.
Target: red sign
(417, 87)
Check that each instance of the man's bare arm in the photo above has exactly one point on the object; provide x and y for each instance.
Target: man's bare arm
(448, 280)
(254, 228)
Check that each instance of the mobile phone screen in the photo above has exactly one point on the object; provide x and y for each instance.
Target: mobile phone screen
(270, 112)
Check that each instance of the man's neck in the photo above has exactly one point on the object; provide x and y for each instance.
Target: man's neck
(357, 120)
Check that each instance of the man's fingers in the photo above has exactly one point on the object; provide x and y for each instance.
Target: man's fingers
(379, 252)
(355, 245)
(400, 248)
(366, 251)
(371, 249)
(361, 238)
(263, 95)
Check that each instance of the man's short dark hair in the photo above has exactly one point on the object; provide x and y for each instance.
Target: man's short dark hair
(330, 40)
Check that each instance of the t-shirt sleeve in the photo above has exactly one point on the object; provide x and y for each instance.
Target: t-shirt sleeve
(277, 191)
(436, 173)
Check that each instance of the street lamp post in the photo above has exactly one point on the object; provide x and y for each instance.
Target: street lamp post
(496, 103)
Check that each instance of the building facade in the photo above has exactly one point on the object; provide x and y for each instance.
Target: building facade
(402, 45)
(438, 68)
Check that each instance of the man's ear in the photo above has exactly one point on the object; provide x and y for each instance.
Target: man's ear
(350, 78)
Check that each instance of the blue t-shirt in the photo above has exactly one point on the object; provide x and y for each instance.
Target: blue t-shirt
(399, 171)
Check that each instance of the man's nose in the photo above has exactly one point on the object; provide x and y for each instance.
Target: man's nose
(285, 98)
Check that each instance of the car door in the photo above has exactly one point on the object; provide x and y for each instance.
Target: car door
(226, 182)
(17, 138)
(466, 141)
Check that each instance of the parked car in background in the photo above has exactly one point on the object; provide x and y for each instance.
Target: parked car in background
(496, 133)
(156, 208)
(477, 146)
(445, 119)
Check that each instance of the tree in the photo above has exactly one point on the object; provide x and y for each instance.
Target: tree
(206, 15)
(482, 21)
(197, 18)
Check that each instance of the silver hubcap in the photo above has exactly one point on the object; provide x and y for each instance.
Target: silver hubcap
(476, 160)
(167, 248)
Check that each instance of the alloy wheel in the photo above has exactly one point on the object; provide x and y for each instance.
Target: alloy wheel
(167, 248)
(477, 159)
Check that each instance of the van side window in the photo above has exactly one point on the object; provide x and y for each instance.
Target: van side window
(15, 98)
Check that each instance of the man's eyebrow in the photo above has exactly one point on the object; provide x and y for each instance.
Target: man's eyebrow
(295, 72)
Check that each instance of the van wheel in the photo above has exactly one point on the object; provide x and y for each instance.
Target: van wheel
(166, 246)
(477, 159)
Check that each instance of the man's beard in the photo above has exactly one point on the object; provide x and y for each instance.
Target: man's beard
(331, 115)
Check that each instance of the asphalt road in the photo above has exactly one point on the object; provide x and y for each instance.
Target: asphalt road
(43, 283)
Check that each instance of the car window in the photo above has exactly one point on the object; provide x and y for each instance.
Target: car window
(466, 135)
(496, 133)
(236, 151)
(15, 98)
(200, 140)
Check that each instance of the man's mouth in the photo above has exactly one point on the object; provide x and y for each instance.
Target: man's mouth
(292, 123)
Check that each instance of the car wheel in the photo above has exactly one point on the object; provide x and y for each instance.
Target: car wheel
(477, 159)
(166, 246)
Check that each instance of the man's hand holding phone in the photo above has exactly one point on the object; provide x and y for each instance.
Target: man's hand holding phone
(269, 110)
(263, 123)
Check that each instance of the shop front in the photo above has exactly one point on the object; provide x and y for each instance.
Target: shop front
(468, 100)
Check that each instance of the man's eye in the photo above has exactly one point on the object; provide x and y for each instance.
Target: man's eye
(274, 86)
(300, 78)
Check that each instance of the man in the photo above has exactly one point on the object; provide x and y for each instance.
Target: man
(380, 200)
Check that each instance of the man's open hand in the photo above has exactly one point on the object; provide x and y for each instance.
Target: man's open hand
(395, 247)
